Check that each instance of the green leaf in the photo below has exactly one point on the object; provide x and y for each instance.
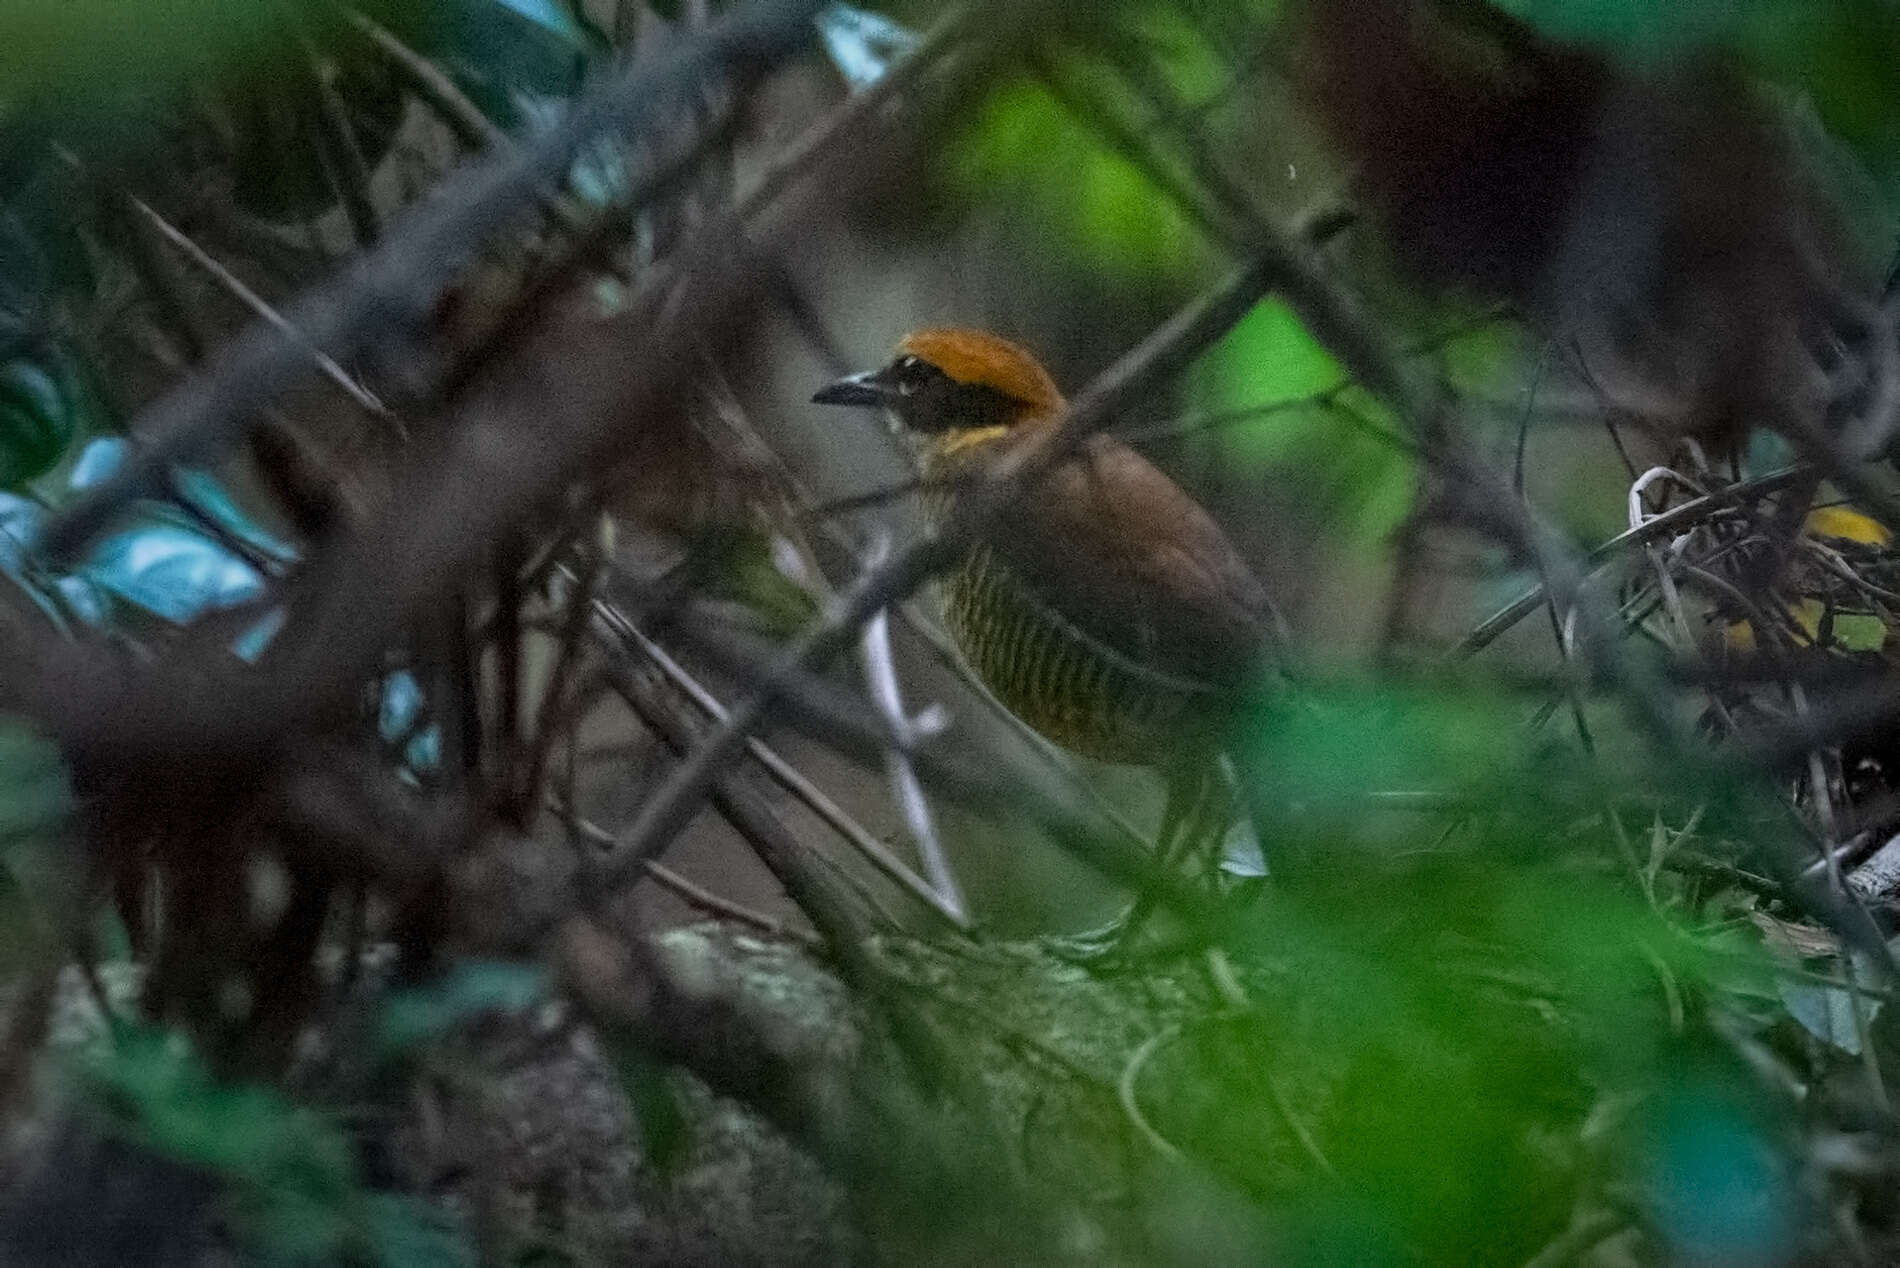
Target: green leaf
(468, 990)
(289, 1173)
(404, 1232)
(1636, 27)
(37, 421)
(35, 794)
(551, 17)
(656, 1105)
(741, 565)
(122, 54)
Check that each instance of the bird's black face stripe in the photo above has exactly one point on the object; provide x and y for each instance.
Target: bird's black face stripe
(923, 398)
(931, 401)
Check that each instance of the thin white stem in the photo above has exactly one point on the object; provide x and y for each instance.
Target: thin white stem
(880, 674)
(260, 307)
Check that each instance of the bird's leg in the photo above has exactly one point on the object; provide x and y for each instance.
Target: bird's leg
(1194, 800)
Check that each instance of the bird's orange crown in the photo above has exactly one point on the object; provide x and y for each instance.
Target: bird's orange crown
(976, 358)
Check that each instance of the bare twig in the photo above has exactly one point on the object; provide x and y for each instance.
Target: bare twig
(786, 775)
(460, 496)
(1655, 528)
(1484, 499)
(451, 104)
(339, 153)
(258, 305)
(552, 717)
(699, 896)
(696, 895)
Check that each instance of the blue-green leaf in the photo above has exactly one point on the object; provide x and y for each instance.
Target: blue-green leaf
(97, 461)
(172, 572)
(205, 494)
(862, 45)
(551, 17)
(470, 989)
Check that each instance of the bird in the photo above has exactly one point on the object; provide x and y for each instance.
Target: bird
(1105, 607)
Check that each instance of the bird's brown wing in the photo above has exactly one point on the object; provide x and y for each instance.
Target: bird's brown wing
(1116, 548)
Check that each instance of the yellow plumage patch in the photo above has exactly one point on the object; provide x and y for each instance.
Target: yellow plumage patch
(1846, 525)
(980, 359)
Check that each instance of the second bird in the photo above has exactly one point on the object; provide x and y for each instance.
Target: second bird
(1104, 607)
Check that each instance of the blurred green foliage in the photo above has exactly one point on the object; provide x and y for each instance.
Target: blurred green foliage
(38, 420)
(1093, 208)
(1842, 55)
(291, 1184)
(1494, 1003)
(412, 1018)
(1340, 449)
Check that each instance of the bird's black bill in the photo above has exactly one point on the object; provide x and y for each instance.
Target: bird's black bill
(858, 389)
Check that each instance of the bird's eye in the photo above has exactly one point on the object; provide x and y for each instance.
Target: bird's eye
(911, 373)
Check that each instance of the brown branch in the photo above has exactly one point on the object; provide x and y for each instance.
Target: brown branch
(699, 897)
(453, 501)
(338, 151)
(785, 774)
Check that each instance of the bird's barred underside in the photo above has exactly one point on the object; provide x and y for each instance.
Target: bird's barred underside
(1079, 693)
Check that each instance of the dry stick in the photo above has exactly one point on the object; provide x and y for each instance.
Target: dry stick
(819, 144)
(699, 896)
(826, 136)
(338, 152)
(696, 895)
(781, 851)
(159, 274)
(742, 805)
(1677, 517)
(1171, 347)
(389, 293)
(785, 774)
(880, 668)
(259, 306)
(450, 103)
(554, 713)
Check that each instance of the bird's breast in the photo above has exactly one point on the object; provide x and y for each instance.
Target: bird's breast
(1069, 687)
